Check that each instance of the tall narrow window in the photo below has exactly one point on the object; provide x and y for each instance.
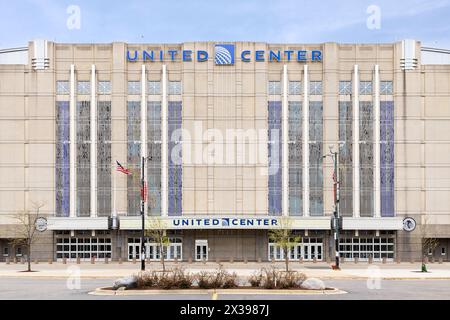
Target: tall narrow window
(133, 157)
(83, 158)
(387, 158)
(274, 87)
(154, 157)
(315, 158)
(274, 161)
(104, 158)
(366, 158)
(295, 158)
(345, 159)
(62, 163)
(174, 159)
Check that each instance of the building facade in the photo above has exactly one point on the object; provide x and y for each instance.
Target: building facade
(234, 138)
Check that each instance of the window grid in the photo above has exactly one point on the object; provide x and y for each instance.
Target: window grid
(84, 248)
(386, 87)
(274, 87)
(154, 87)
(175, 167)
(363, 248)
(174, 87)
(84, 87)
(387, 158)
(62, 87)
(345, 87)
(315, 87)
(365, 87)
(134, 87)
(104, 87)
(366, 158)
(295, 87)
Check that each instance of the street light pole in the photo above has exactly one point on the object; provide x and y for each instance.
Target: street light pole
(143, 215)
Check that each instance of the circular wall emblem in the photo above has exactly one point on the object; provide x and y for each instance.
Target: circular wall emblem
(409, 224)
(41, 224)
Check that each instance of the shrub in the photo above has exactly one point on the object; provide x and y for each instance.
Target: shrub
(146, 279)
(291, 279)
(256, 279)
(181, 279)
(204, 280)
(271, 277)
(230, 281)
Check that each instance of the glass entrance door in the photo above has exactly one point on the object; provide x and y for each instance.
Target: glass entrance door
(201, 250)
(311, 251)
(133, 251)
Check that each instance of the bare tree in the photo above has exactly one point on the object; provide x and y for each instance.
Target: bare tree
(156, 230)
(428, 244)
(284, 237)
(25, 230)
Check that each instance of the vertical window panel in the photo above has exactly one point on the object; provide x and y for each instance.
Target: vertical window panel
(387, 158)
(174, 159)
(315, 158)
(104, 158)
(133, 157)
(295, 159)
(154, 157)
(83, 159)
(62, 163)
(366, 158)
(274, 161)
(345, 159)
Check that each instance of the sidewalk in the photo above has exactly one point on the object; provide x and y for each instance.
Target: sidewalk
(320, 270)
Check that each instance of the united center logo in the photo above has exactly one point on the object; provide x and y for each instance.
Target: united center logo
(224, 54)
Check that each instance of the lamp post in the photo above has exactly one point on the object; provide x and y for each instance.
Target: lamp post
(336, 220)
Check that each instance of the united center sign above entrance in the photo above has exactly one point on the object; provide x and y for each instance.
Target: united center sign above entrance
(224, 54)
(227, 222)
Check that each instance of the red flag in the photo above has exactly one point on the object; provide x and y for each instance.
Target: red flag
(144, 192)
(122, 169)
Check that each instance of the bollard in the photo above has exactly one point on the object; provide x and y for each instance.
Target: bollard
(106, 260)
(231, 259)
(432, 260)
(217, 260)
(383, 260)
(328, 260)
(64, 261)
(36, 261)
(300, 260)
(245, 260)
(412, 260)
(259, 260)
(176, 260)
(93, 260)
(441, 260)
(204, 261)
(120, 260)
(190, 260)
(272, 260)
(398, 260)
(425, 260)
(15, 260)
(134, 260)
(22, 260)
(314, 260)
(356, 259)
(78, 260)
(7, 260)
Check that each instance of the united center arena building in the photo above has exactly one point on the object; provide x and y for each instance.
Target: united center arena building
(234, 137)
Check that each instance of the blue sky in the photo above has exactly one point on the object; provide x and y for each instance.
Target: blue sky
(173, 21)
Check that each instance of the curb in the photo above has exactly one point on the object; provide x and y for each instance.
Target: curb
(106, 291)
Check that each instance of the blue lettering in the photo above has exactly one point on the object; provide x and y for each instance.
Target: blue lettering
(206, 222)
(273, 56)
(234, 222)
(135, 55)
(187, 55)
(266, 222)
(259, 55)
(147, 56)
(316, 55)
(198, 221)
(185, 222)
(176, 222)
(242, 222)
(274, 222)
(172, 54)
(161, 55)
(288, 54)
(301, 55)
(215, 222)
(250, 222)
(202, 56)
(244, 55)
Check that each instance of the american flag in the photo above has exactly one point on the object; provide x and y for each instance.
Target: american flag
(122, 169)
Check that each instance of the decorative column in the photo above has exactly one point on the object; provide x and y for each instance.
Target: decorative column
(285, 134)
(356, 208)
(305, 119)
(93, 127)
(376, 156)
(164, 141)
(73, 142)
